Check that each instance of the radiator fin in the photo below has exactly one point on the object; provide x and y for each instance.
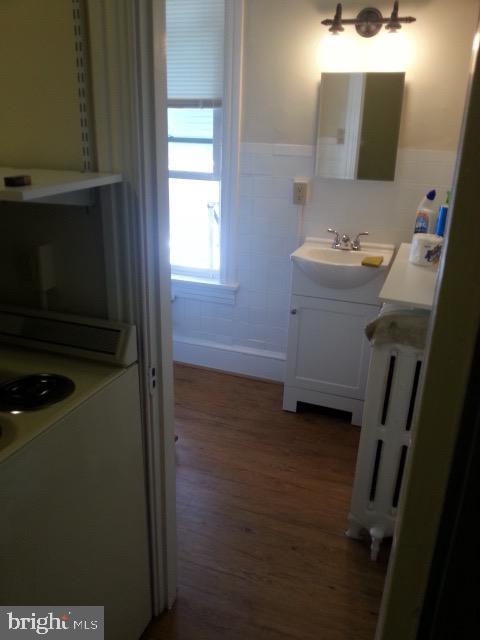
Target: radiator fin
(398, 483)
(413, 395)
(376, 468)
(388, 389)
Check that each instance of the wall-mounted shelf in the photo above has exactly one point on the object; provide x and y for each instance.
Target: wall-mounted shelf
(46, 183)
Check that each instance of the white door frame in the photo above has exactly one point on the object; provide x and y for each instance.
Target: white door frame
(128, 73)
(451, 346)
(129, 97)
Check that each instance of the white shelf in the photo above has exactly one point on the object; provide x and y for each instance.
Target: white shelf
(408, 284)
(46, 183)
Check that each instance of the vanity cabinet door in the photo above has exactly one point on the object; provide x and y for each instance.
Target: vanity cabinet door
(327, 348)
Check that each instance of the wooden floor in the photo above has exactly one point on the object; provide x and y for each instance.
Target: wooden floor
(263, 497)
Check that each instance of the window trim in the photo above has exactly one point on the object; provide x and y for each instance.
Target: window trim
(193, 175)
(232, 101)
(230, 108)
(209, 275)
(203, 289)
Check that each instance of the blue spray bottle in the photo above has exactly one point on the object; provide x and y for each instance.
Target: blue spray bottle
(442, 217)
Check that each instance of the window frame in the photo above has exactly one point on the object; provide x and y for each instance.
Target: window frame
(210, 275)
(226, 158)
(216, 141)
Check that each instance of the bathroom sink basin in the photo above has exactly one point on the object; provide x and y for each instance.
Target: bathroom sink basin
(338, 269)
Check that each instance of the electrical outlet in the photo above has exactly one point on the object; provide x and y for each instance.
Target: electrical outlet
(300, 192)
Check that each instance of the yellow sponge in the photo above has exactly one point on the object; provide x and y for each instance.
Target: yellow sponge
(372, 261)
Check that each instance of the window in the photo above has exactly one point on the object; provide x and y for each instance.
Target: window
(194, 144)
(195, 63)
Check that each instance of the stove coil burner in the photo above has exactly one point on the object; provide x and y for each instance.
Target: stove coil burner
(34, 391)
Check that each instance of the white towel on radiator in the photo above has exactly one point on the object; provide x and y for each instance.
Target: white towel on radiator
(408, 327)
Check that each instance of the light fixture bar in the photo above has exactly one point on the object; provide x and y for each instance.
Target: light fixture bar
(369, 21)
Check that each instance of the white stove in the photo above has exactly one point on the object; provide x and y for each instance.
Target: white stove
(72, 482)
(83, 378)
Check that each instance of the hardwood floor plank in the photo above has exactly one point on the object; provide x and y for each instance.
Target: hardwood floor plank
(262, 504)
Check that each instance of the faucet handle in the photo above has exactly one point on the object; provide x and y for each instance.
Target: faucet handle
(336, 240)
(356, 242)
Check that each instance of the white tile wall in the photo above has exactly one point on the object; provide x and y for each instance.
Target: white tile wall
(268, 233)
(385, 209)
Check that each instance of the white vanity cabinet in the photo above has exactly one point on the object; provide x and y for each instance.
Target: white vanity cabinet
(328, 353)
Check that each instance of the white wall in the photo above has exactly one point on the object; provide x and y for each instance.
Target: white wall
(286, 49)
(39, 112)
(40, 127)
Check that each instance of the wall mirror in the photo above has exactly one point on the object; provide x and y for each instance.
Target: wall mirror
(358, 125)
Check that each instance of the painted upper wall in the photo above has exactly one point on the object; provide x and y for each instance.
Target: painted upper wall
(287, 48)
(39, 113)
(40, 127)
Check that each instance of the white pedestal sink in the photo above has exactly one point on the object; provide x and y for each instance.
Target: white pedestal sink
(337, 268)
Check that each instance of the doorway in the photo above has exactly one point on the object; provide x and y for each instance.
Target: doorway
(236, 384)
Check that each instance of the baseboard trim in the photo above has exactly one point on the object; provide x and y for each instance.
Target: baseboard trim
(256, 363)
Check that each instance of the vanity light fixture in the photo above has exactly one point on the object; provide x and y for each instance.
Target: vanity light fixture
(368, 22)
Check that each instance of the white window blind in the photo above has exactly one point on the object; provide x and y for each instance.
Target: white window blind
(195, 51)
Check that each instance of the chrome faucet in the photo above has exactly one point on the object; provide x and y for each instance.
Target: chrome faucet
(345, 243)
(356, 246)
(336, 240)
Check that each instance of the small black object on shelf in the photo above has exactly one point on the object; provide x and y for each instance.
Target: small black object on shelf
(17, 181)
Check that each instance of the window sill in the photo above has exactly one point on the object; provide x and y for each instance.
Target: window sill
(203, 290)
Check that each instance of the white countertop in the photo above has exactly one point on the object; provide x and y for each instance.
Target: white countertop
(409, 284)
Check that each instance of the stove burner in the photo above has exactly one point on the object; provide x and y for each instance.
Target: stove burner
(34, 391)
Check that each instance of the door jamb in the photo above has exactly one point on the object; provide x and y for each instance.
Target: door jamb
(129, 103)
(450, 349)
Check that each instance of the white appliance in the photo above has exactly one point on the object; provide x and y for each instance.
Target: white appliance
(72, 484)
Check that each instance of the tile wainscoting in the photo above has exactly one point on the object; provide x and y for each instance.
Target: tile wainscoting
(250, 336)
